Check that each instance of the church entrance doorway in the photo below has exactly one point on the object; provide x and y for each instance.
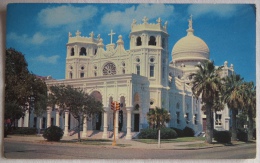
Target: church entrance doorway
(120, 120)
(136, 122)
(98, 121)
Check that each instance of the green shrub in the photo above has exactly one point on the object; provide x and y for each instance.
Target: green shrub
(24, 131)
(254, 133)
(166, 133)
(148, 133)
(222, 136)
(53, 133)
(242, 135)
(178, 131)
(188, 132)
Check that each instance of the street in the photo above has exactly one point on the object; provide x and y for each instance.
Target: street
(23, 150)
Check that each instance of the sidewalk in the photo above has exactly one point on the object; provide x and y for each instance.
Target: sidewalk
(126, 143)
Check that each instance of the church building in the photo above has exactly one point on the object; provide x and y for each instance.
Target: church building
(140, 78)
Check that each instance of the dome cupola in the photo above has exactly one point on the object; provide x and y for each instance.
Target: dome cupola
(190, 47)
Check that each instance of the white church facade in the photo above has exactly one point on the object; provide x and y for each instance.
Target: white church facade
(140, 78)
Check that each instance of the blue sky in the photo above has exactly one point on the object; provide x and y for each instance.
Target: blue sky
(40, 31)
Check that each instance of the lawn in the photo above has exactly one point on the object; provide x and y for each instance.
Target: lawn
(181, 139)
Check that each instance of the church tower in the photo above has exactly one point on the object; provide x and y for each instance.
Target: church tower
(79, 52)
(149, 49)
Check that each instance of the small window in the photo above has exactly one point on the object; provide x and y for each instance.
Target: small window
(138, 41)
(83, 51)
(151, 102)
(187, 118)
(218, 119)
(151, 59)
(178, 117)
(71, 75)
(82, 67)
(95, 73)
(95, 67)
(72, 52)
(123, 64)
(82, 74)
(95, 52)
(137, 60)
(123, 71)
(71, 67)
(152, 41)
(138, 69)
(151, 71)
(195, 119)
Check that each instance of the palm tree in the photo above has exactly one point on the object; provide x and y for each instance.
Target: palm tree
(233, 97)
(158, 117)
(250, 105)
(206, 84)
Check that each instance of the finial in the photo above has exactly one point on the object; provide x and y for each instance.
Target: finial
(159, 20)
(70, 34)
(78, 33)
(98, 36)
(91, 34)
(145, 20)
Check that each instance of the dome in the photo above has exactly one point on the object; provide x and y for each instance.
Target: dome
(190, 47)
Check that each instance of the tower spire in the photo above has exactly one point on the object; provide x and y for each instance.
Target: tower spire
(190, 29)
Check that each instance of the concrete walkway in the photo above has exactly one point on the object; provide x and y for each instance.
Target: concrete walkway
(123, 143)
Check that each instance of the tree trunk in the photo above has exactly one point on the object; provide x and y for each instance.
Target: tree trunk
(250, 124)
(234, 125)
(79, 140)
(209, 129)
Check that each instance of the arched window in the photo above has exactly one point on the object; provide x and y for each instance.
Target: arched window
(152, 41)
(151, 70)
(72, 52)
(82, 75)
(138, 69)
(138, 41)
(82, 51)
(123, 71)
(71, 75)
(95, 52)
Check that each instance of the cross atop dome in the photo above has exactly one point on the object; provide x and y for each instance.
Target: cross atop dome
(190, 29)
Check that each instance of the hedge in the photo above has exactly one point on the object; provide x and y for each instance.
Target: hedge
(166, 133)
(24, 131)
(222, 136)
(242, 135)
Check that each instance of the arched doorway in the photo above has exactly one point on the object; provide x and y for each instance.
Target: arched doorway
(97, 118)
(136, 112)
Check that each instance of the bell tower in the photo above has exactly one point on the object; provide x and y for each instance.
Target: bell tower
(79, 52)
(149, 49)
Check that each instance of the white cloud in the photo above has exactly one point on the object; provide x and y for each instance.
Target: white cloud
(121, 20)
(36, 39)
(219, 10)
(52, 59)
(65, 15)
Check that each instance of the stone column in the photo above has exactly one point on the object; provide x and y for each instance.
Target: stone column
(116, 125)
(128, 131)
(49, 117)
(66, 125)
(58, 117)
(85, 126)
(105, 126)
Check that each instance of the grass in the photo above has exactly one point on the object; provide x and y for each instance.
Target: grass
(197, 145)
(181, 139)
(94, 142)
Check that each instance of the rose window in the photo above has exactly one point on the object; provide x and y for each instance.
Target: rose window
(109, 69)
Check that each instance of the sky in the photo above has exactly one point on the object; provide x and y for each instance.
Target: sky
(40, 31)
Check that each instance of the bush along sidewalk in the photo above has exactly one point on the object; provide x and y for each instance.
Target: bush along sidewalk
(166, 133)
(53, 133)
